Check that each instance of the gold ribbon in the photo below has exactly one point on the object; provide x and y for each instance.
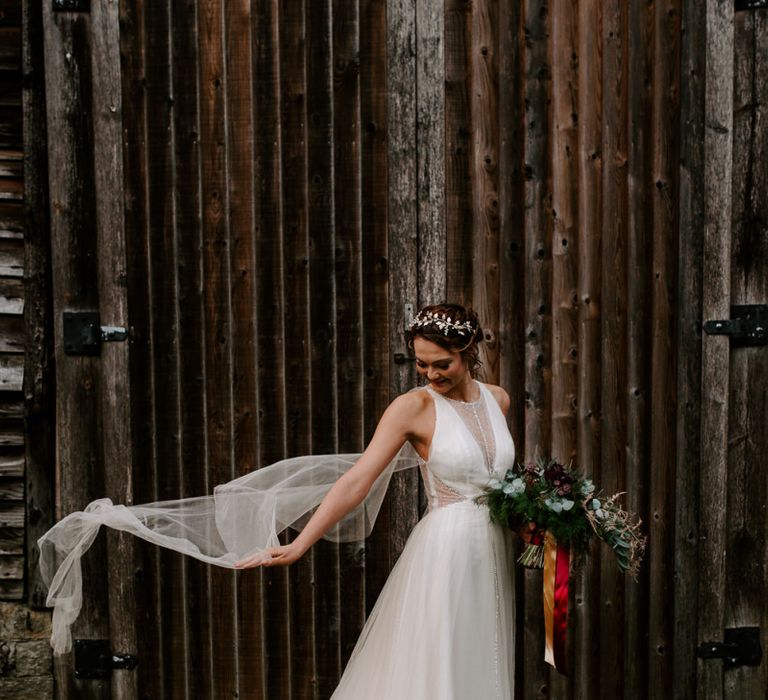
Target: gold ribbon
(556, 574)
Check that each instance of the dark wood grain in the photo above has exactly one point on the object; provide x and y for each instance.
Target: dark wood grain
(38, 389)
(114, 398)
(458, 152)
(537, 309)
(402, 245)
(613, 331)
(293, 120)
(563, 138)
(484, 165)
(292, 175)
(374, 260)
(689, 343)
(273, 439)
(590, 114)
(746, 523)
(715, 353)
(348, 283)
(323, 336)
(240, 168)
(640, 394)
(191, 335)
(664, 186)
(430, 124)
(80, 476)
(511, 331)
(148, 600)
(217, 285)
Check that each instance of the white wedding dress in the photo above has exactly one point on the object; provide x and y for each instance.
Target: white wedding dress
(443, 626)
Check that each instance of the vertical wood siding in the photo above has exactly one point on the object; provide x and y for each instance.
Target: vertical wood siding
(295, 173)
(18, 372)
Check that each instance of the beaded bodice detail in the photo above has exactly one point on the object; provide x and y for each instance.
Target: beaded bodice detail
(471, 443)
(474, 415)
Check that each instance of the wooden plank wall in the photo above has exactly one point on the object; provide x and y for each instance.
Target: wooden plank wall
(294, 174)
(12, 337)
(256, 160)
(291, 188)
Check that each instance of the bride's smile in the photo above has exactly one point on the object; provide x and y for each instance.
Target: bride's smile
(446, 370)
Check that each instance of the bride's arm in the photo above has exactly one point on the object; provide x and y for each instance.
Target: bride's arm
(352, 487)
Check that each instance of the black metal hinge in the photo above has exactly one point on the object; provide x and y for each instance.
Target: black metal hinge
(402, 354)
(94, 659)
(748, 325)
(740, 647)
(84, 334)
(71, 5)
(751, 4)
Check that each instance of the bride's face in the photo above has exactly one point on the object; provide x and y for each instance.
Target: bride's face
(445, 369)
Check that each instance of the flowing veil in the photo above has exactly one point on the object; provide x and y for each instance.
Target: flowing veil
(243, 517)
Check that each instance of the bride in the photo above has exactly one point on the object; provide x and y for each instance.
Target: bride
(443, 626)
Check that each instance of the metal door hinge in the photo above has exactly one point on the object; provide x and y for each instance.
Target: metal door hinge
(402, 354)
(751, 4)
(748, 325)
(84, 334)
(94, 659)
(71, 5)
(741, 647)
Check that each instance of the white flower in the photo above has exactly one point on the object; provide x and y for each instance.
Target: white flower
(595, 504)
(494, 484)
(587, 487)
(553, 505)
(567, 505)
(518, 485)
(600, 513)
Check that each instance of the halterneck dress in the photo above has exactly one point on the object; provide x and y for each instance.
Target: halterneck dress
(443, 626)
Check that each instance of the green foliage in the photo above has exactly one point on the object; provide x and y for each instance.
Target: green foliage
(558, 500)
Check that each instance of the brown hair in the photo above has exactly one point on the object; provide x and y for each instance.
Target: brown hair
(450, 339)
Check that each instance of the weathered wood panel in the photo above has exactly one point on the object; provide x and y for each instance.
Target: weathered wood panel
(688, 342)
(135, 88)
(537, 309)
(296, 173)
(715, 350)
(13, 335)
(746, 521)
(375, 262)
(655, 480)
(69, 112)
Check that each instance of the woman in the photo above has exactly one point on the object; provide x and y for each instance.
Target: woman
(443, 624)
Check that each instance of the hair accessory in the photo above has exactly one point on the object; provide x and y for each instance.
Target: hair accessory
(442, 322)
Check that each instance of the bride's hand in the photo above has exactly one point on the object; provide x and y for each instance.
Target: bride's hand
(274, 556)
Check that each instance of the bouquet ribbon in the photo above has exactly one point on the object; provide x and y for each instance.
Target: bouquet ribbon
(556, 574)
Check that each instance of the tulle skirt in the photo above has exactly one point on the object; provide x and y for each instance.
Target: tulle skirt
(443, 626)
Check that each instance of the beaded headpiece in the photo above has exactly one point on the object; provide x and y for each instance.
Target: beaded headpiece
(442, 322)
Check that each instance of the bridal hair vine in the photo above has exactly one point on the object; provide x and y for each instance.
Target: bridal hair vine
(442, 322)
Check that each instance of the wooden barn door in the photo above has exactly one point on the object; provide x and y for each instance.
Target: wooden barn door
(733, 478)
(93, 398)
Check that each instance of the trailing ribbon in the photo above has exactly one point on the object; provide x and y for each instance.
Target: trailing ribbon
(556, 573)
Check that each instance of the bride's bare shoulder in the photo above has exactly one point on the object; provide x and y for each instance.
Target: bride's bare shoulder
(412, 402)
(501, 396)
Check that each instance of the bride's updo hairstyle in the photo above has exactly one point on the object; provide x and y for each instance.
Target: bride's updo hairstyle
(452, 327)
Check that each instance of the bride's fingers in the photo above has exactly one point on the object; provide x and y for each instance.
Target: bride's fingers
(259, 559)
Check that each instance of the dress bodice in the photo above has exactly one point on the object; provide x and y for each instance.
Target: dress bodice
(471, 444)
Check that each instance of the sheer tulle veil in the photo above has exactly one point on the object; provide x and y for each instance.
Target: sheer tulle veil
(243, 517)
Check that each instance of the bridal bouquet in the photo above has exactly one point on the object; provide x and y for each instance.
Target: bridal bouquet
(567, 512)
(560, 502)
